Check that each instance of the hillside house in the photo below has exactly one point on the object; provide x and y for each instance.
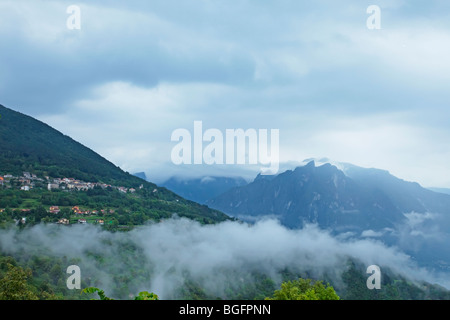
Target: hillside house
(25, 181)
(51, 186)
(54, 209)
(63, 221)
(122, 189)
(77, 210)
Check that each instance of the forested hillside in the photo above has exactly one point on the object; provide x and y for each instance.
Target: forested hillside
(41, 167)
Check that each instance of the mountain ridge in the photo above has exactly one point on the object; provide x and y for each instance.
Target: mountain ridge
(204, 188)
(326, 195)
(30, 146)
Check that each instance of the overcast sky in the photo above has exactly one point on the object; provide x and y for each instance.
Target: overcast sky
(138, 70)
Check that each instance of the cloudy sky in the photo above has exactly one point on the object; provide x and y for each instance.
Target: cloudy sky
(137, 70)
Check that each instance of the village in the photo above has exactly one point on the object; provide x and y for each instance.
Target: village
(29, 181)
(83, 215)
(77, 211)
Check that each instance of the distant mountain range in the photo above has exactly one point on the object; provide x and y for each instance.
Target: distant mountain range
(361, 202)
(353, 198)
(310, 194)
(406, 196)
(337, 196)
(202, 189)
(441, 190)
(141, 175)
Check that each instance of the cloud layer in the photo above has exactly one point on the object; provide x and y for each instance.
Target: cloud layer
(216, 256)
(136, 71)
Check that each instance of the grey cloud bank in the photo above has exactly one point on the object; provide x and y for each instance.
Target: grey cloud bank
(137, 70)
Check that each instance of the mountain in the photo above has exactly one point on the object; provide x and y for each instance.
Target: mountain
(368, 202)
(202, 189)
(310, 194)
(140, 175)
(29, 145)
(440, 190)
(406, 196)
(358, 199)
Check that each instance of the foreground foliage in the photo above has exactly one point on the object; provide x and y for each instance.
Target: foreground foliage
(14, 285)
(304, 289)
(143, 295)
(31, 277)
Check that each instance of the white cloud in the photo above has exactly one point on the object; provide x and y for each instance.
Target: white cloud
(137, 71)
(371, 234)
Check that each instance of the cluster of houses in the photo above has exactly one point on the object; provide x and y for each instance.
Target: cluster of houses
(75, 210)
(81, 221)
(78, 211)
(28, 181)
(79, 185)
(63, 221)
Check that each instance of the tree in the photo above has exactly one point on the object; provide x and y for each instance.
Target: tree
(143, 295)
(100, 292)
(14, 285)
(65, 213)
(304, 289)
(40, 213)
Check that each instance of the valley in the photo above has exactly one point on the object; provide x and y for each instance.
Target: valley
(222, 238)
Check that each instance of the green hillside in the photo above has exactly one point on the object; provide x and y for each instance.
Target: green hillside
(27, 144)
(31, 147)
